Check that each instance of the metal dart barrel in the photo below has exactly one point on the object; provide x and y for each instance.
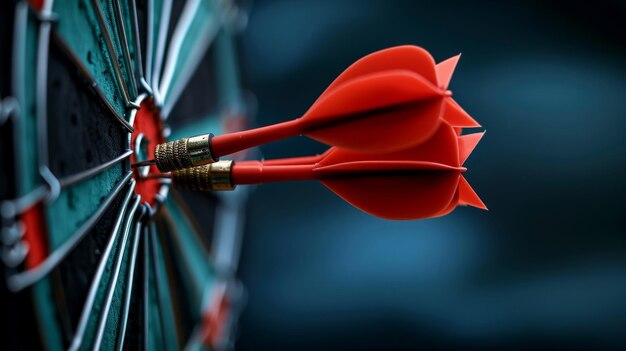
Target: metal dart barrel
(184, 153)
(214, 176)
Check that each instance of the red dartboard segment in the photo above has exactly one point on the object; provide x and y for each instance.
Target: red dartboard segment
(215, 320)
(149, 125)
(35, 235)
(36, 4)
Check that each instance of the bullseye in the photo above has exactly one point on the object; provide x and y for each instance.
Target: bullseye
(147, 135)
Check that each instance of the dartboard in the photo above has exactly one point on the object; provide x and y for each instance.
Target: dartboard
(96, 254)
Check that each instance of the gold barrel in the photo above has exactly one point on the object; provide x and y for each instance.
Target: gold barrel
(211, 177)
(184, 153)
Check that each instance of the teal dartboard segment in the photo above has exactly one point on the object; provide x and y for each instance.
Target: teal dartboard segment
(227, 72)
(196, 345)
(25, 83)
(194, 32)
(190, 254)
(154, 19)
(113, 321)
(152, 320)
(104, 284)
(165, 302)
(128, 19)
(228, 89)
(78, 26)
(113, 25)
(77, 203)
(159, 12)
(44, 301)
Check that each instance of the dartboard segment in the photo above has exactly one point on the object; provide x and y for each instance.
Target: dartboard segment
(112, 45)
(198, 103)
(189, 253)
(79, 272)
(219, 107)
(110, 320)
(97, 306)
(108, 13)
(79, 28)
(91, 135)
(126, 19)
(194, 32)
(24, 84)
(160, 320)
(159, 14)
(229, 90)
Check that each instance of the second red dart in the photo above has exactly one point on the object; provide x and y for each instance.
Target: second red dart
(389, 100)
(420, 182)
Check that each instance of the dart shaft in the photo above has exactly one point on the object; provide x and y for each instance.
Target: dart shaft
(257, 172)
(204, 149)
(223, 175)
(233, 142)
(304, 160)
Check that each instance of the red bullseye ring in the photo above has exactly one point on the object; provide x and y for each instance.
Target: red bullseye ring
(147, 135)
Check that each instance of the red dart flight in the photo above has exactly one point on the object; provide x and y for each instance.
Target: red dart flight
(453, 114)
(419, 182)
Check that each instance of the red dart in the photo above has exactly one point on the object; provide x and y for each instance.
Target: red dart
(454, 115)
(401, 58)
(420, 182)
(387, 101)
(377, 112)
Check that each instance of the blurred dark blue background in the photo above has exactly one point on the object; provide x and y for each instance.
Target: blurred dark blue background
(545, 267)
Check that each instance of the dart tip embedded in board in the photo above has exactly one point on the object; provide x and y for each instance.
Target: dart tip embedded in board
(143, 163)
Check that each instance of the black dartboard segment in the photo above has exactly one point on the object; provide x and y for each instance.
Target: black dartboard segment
(82, 129)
